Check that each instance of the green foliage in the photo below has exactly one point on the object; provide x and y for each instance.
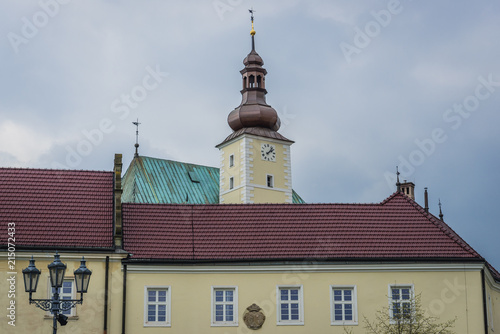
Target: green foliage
(412, 320)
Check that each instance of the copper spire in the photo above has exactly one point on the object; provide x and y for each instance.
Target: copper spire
(253, 110)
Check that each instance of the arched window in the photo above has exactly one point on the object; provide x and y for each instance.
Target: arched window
(244, 82)
(251, 81)
(259, 81)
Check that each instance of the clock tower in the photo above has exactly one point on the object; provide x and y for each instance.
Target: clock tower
(255, 159)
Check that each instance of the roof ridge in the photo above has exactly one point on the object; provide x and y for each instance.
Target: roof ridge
(178, 162)
(56, 169)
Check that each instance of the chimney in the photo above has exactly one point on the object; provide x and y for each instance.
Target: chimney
(408, 188)
(117, 194)
(426, 200)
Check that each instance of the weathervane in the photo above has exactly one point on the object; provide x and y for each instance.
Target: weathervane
(252, 32)
(136, 137)
(398, 184)
(441, 216)
(251, 13)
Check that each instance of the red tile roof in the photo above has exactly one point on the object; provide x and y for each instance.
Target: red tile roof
(57, 208)
(397, 228)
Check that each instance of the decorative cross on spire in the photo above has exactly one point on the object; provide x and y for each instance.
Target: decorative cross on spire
(136, 137)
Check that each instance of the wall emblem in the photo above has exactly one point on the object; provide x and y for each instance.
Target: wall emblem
(253, 317)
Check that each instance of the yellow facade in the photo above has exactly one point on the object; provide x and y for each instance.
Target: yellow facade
(447, 292)
(88, 317)
(241, 160)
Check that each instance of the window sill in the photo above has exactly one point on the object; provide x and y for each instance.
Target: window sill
(290, 323)
(158, 325)
(345, 323)
(232, 324)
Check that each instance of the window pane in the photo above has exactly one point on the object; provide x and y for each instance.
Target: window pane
(347, 295)
(162, 318)
(348, 306)
(151, 296)
(284, 294)
(294, 294)
(162, 296)
(338, 306)
(405, 294)
(229, 296)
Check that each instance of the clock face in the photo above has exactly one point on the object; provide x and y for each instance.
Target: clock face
(268, 152)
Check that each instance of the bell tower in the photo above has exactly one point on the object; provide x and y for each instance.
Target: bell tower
(255, 158)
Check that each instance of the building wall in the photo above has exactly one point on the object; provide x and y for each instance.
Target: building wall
(89, 317)
(446, 291)
(250, 172)
(492, 304)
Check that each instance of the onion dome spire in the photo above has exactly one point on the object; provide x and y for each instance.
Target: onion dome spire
(253, 110)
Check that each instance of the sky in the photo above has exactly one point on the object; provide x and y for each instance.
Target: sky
(360, 86)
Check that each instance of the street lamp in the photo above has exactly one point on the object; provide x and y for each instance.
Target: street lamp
(57, 269)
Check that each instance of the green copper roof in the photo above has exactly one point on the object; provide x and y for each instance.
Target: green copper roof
(152, 180)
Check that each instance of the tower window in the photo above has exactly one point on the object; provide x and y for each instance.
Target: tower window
(244, 82)
(231, 182)
(231, 160)
(251, 81)
(270, 181)
(259, 81)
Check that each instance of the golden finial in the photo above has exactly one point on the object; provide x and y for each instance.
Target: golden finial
(252, 32)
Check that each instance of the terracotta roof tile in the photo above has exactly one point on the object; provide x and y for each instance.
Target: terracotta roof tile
(57, 208)
(395, 228)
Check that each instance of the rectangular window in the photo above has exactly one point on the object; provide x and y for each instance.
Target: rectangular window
(65, 292)
(231, 182)
(270, 181)
(157, 306)
(224, 306)
(290, 305)
(343, 305)
(231, 160)
(401, 298)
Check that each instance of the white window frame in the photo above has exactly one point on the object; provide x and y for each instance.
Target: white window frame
(299, 322)
(168, 303)
(233, 323)
(272, 180)
(231, 183)
(354, 303)
(400, 286)
(62, 295)
(231, 160)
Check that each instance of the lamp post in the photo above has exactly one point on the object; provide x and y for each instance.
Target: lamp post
(57, 269)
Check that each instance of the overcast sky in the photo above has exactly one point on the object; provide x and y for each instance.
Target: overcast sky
(360, 86)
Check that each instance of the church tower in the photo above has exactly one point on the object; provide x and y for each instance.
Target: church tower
(255, 158)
